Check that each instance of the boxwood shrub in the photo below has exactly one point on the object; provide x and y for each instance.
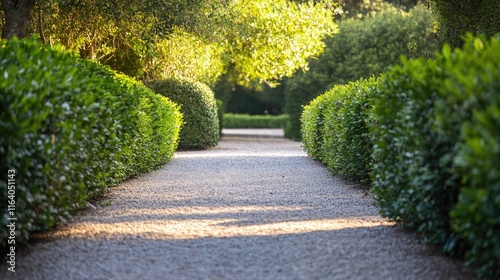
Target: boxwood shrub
(197, 100)
(437, 150)
(71, 129)
(335, 129)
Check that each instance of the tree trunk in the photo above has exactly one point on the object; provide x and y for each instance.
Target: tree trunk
(40, 26)
(17, 13)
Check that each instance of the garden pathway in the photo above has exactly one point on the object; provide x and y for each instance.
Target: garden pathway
(255, 207)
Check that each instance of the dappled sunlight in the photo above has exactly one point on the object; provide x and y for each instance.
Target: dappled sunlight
(217, 222)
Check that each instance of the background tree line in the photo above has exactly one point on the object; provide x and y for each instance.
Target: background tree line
(373, 34)
(240, 48)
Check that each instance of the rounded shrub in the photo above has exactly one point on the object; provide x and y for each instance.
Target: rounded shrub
(197, 100)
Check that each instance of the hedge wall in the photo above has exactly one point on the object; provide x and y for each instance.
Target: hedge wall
(438, 150)
(71, 129)
(432, 128)
(198, 105)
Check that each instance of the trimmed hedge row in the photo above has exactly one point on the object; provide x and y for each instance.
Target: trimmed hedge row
(198, 105)
(71, 129)
(436, 145)
(438, 149)
(335, 129)
(255, 121)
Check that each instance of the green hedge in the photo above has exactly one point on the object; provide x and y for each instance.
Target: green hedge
(70, 129)
(435, 146)
(437, 150)
(197, 100)
(255, 121)
(335, 129)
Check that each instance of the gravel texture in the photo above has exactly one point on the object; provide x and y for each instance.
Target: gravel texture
(251, 208)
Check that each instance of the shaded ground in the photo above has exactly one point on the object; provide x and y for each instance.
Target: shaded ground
(252, 208)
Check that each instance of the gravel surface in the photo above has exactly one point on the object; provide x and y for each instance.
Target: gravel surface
(251, 208)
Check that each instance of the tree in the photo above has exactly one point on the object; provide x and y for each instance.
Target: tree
(250, 40)
(456, 18)
(185, 55)
(122, 34)
(363, 47)
(269, 40)
(17, 13)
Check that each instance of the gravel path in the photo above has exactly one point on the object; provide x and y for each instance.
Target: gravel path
(252, 208)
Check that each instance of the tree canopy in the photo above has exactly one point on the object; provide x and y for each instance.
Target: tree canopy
(363, 48)
(271, 39)
(456, 18)
(249, 40)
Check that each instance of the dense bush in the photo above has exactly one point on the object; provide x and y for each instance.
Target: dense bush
(361, 49)
(437, 150)
(476, 215)
(335, 129)
(70, 129)
(255, 121)
(197, 100)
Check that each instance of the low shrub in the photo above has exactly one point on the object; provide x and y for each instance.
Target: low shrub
(436, 150)
(197, 100)
(335, 129)
(71, 129)
(255, 121)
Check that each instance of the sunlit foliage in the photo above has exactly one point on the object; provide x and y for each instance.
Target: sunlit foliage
(257, 40)
(185, 55)
(273, 39)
